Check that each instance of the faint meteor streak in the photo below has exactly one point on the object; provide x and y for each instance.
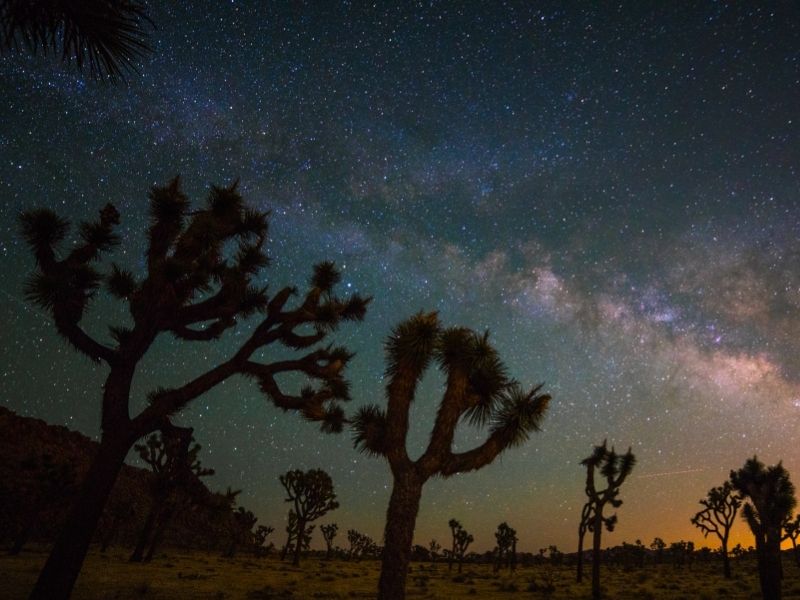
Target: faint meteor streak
(651, 475)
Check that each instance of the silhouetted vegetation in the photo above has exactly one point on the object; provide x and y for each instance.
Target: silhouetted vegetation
(194, 291)
(311, 493)
(105, 38)
(328, 534)
(477, 388)
(172, 457)
(461, 541)
(361, 545)
(614, 468)
(770, 501)
(506, 548)
(717, 517)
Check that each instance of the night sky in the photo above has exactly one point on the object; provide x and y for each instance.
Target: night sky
(612, 191)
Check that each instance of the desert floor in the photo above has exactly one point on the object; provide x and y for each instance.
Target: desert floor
(177, 575)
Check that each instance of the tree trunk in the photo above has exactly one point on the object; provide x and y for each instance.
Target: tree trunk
(770, 570)
(301, 529)
(110, 534)
(598, 530)
(146, 533)
(401, 517)
(64, 563)
(158, 536)
(581, 535)
(726, 563)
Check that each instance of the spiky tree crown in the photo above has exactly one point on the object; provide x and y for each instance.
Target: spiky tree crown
(104, 37)
(311, 493)
(770, 492)
(478, 390)
(614, 468)
(201, 280)
(719, 511)
(505, 536)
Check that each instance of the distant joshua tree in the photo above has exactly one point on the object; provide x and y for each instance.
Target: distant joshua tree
(241, 530)
(454, 527)
(717, 517)
(103, 37)
(770, 501)
(477, 389)
(328, 534)
(173, 460)
(658, 547)
(462, 542)
(791, 531)
(615, 468)
(194, 290)
(260, 539)
(506, 540)
(296, 537)
(311, 493)
(434, 548)
(360, 544)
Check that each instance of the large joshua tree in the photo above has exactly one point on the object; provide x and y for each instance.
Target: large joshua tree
(200, 281)
(477, 389)
(770, 501)
(312, 496)
(614, 468)
(717, 517)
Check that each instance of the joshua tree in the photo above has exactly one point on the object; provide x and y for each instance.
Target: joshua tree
(104, 37)
(615, 468)
(434, 548)
(463, 540)
(241, 529)
(770, 495)
(717, 517)
(295, 537)
(312, 496)
(360, 544)
(328, 534)
(658, 547)
(454, 527)
(173, 462)
(477, 389)
(791, 531)
(193, 290)
(506, 539)
(260, 538)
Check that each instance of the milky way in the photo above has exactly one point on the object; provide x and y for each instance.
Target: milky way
(612, 192)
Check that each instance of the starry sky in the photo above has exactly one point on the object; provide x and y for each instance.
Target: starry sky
(612, 191)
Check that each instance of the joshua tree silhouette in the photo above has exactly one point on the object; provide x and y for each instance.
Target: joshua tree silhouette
(193, 291)
(103, 37)
(454, 527)
(312, 496)
(360, 544)
(506, 540)
(260, 538)
(241, 530)
(615, 468)
(434, 548)
(295, 537)
(328, 534)
(463, 540)
(717, 517)
(477, 388)
(173, 460)
(770, 501)
(586, 524)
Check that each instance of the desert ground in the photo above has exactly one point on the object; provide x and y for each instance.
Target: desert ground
(194, 575)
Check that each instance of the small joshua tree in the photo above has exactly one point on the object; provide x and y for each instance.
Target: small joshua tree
(434, 548)
(328, 534)
(717, 517)
(614, 468)
(506, 539)
(241, 530)
(658, 547)
(791, 531)
(477, 389)
(172, 457)
(360, 544)
(463, 540)
(454, 527)
(312, 495)
(295, 537)
(193, 290)
(770, 501)
(260, 539)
